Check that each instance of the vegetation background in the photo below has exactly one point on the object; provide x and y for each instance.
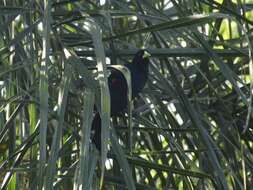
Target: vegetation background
(190, 129)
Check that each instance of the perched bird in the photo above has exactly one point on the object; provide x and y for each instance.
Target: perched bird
(118, 89)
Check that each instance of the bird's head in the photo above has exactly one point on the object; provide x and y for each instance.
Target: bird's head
(141, 59)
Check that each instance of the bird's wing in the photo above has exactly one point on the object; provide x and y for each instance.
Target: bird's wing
(118, 92)
(116, 79)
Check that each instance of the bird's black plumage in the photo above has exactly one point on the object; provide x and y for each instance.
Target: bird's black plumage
(138, 68)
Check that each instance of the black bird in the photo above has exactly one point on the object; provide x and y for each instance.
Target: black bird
(118, 89)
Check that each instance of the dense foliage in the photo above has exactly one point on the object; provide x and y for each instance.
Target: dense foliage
(191, 127)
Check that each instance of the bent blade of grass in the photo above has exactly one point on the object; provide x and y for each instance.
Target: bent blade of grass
(62, 102)
(94, 30)
(124, 70)
(85, 138)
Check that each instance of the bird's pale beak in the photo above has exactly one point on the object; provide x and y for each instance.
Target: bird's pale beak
(146, 54)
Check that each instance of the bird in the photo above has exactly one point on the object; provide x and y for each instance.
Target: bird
(139, 69)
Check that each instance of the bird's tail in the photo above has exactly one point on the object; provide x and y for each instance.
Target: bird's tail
(96, 128)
